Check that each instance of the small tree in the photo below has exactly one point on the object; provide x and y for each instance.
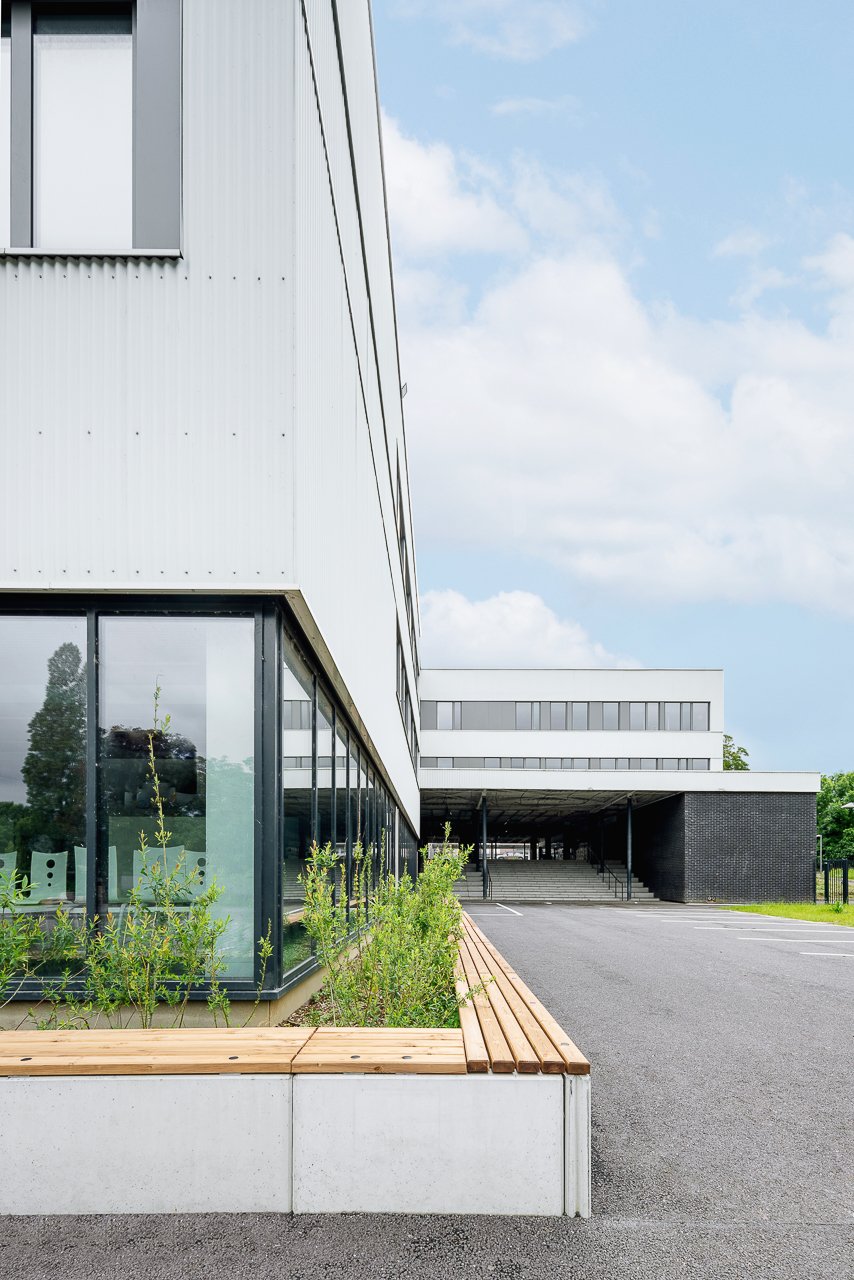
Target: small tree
(734, 757)
(55, 764)
(835, 822)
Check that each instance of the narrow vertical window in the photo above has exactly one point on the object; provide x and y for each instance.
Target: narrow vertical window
(5, 130)
(83, 130)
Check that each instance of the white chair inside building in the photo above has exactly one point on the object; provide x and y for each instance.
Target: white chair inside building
(191, 865)
(47, 877)
(8, 866)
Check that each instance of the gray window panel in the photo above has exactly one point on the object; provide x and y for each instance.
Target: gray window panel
(624, 715)
(580, 762)
(157, 125)
(669, 763)
(428, 715)
(115, 21)
(703, 765)
(652, 715)
(458, 715)
(622, 762)
(686, 715)
(637, 715)
(445, 762)
(502, 715)
(580, 714)
(444, 715)
(533, 762)
(517, 762)
(21, 140)
(593, 762)
(506, 762)
(475, 715)
(594, 719)
(634, 763)
(428, 762)
(607, 762)
(700, 717)
(546, 716)
(535, 715)
(492, 762)
(558, 715)
(610, 715)
(523, 715)
(672, 715)
(552, 763)
(468, 762)
(683, 764)
(649, 764)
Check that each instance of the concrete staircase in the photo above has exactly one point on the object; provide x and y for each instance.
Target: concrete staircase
(548, 881)
(469, 888)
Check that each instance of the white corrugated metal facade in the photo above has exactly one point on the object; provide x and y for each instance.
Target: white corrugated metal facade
(230, 420)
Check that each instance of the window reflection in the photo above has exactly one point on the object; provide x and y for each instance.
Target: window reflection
(205, 670)
(43, 758)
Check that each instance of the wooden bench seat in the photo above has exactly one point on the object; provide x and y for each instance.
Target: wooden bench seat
(504, 1025)
(382, 1051)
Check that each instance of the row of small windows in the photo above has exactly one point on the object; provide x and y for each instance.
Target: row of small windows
(405, 703)
(671, 764)
(566, 715)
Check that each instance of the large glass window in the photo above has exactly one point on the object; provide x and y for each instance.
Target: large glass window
(325, 750)
(43, 757)
(579, 715)
(652, 715)
(672, 716)
(700, 717)
(558, 715)
(83, 130)
(523, 715)
(610, 715)
(297, 781)
(637, 715)
(204, 669)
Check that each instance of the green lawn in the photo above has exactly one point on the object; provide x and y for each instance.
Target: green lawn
(818, 911)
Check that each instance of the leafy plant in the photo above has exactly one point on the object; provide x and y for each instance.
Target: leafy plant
(390, 953)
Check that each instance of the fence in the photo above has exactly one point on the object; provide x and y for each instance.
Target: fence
(831, 884)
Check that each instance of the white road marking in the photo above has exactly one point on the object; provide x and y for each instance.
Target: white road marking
(750, 937)
(833, 954)
(503, 908)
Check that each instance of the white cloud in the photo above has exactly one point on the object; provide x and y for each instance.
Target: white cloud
(556, 415)
(565, 105)
(519, 30)
(511, 629)
(746, 243)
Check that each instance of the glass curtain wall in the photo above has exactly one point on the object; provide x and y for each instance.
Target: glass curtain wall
(43, 760)
(299, 792)
(200, 673)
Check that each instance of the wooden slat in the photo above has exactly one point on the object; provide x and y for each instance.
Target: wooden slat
(574, 1060)
(382, 1051)
(526, 1060)
(166, 1051)
(477, 1058)
(548, 1055)
(501, 1056)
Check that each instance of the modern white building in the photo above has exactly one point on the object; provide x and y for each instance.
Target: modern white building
(205, 490)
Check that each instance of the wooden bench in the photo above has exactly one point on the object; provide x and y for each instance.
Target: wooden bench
(504, 1026)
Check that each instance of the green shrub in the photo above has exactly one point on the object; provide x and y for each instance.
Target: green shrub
(390, 953)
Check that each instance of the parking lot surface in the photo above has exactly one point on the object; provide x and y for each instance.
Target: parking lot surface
(722, 1051)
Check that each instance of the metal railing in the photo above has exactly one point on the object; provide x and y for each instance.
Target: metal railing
(831, 884)
(613, 881)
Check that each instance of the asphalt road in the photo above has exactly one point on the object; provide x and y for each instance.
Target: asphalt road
(723, 1059)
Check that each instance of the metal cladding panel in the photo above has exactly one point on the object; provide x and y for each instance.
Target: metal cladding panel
(345, 543)
(145, 404)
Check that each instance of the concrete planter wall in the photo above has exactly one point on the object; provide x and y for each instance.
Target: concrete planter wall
(488, 1144)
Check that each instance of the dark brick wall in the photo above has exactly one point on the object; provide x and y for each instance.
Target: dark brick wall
(658, 847)
(749, 847)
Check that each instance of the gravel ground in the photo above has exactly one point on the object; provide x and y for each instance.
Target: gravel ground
(723, 1113)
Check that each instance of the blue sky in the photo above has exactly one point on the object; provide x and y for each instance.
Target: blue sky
(624, 253)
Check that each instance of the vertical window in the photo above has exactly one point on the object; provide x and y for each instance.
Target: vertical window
(341, 752)
(5, 130)
(558, 715)
(637, 715)
(610, 715)
(523, 715)
(428, 715)
(579, 715)
(672, 717)
(83, 131)
(205, 669)
(686, 715)
(297, 748)
(700, 717)
(43, 757)
(444, 715)
(92, 101)
(325, 752)
(652, 715)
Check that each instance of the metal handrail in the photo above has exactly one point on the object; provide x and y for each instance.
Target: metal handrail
(602, 869)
